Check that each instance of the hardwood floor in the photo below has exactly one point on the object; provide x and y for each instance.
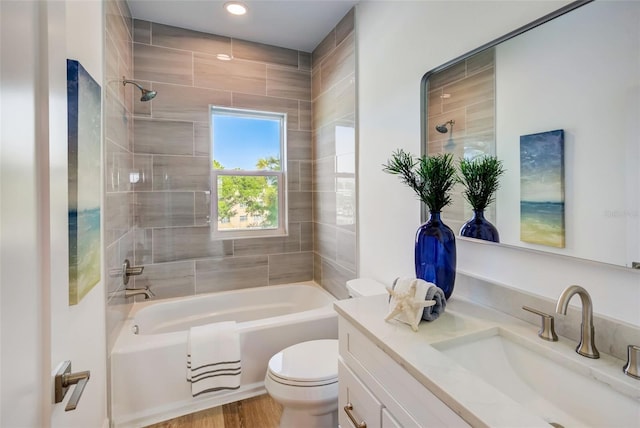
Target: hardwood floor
(256, 412)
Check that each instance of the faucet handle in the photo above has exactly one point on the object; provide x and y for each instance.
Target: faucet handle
(128, 270)
(632, 368)
(547, 329)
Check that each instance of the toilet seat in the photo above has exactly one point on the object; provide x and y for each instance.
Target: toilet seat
(306, 364)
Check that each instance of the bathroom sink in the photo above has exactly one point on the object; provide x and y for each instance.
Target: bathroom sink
(556, 387)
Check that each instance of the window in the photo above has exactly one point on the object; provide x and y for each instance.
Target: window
(248, 173)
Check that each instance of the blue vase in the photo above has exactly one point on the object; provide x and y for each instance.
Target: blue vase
(435, 254)
(480, 228)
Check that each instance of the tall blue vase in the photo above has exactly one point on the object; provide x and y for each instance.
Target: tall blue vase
(480, 228)
(435, 254)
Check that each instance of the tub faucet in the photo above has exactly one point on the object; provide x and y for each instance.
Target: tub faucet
(146, 291)
(587, 346)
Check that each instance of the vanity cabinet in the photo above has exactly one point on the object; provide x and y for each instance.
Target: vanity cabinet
(377, 391)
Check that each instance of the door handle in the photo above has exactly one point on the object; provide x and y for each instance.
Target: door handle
(64, 379)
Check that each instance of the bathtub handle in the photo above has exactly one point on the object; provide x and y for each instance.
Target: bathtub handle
(348, 409)
(128, 270)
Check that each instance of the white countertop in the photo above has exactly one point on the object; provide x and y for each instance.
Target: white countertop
(473, 399)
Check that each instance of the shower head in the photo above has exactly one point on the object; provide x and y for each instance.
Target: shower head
(147, 95)
(443, 128)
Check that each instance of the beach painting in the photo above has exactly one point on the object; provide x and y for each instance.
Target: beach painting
(84, 149)
(542, 188)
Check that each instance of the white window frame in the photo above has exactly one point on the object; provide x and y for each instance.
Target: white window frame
(283, 223)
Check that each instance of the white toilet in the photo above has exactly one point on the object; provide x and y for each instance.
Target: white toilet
(303, 378)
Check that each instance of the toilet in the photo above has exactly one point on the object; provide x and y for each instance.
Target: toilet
(303, 378)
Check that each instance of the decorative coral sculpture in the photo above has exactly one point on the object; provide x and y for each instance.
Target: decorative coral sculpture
(407, 304)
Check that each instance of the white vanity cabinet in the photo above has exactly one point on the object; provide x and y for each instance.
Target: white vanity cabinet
(377, 391)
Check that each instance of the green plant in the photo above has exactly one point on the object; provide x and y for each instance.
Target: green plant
(480, 178)
(431, 177)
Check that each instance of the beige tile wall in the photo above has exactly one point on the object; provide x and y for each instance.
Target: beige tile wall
(470, 101)
(172, 156)
(334, 157)
(119, 160)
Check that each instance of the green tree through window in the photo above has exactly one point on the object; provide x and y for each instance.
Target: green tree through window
(258, 195)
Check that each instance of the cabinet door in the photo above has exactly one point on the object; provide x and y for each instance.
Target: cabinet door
(389, 421)
(403, 395)
(356, 405)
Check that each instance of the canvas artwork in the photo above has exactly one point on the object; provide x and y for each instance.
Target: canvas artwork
(84, 148)
(542, 188)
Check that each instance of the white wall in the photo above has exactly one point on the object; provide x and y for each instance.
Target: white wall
(397, 43)
(83, 325)
(38, 328)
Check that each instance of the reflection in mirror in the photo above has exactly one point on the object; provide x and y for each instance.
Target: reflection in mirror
(578, 72)
(462, 97)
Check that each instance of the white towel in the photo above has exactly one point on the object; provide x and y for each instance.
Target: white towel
(213, 357)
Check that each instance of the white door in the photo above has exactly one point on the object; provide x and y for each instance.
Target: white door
(39, 329)
(21, 292)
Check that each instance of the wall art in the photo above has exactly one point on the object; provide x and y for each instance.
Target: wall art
(542, 188)
(84, 112)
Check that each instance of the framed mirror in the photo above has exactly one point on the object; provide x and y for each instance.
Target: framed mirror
(576, 70)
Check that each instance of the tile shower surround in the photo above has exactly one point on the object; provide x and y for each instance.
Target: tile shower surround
(118, 155)
(334, 157)
(171, 155)
(171, 148)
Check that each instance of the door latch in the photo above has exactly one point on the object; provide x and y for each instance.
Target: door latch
(63, 381)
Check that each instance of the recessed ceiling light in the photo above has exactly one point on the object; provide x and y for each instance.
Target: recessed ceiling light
(235, 8)
(224, 57)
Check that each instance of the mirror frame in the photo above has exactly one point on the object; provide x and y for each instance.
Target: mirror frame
(424, 125)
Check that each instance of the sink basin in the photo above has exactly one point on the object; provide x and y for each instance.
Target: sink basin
(559, 389)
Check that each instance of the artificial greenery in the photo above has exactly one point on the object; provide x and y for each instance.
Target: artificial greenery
(431, 177)
(480, 178)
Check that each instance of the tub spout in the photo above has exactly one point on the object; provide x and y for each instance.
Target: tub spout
(587, 346)
(131, 292)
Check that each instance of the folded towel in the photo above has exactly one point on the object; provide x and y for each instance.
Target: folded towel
(432, 313)
(213, 357)
(407, 300)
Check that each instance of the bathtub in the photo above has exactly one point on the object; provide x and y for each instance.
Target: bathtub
(148, 361)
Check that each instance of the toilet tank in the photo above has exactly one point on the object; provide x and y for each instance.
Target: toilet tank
(365, 287)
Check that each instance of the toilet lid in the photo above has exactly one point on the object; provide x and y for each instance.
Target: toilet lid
(315, 362)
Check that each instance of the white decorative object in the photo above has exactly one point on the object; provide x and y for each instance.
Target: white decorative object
(408, 301)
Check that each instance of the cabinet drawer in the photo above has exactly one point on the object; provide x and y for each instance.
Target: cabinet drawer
(364, 406)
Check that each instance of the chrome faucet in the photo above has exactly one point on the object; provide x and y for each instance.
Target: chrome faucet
(587, 346)
(146, 291)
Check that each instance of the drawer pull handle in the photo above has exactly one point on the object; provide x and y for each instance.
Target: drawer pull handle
(348, 409)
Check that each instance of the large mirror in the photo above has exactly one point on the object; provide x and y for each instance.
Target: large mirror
(577, 70)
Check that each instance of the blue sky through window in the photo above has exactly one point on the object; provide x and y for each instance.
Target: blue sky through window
(238, 142)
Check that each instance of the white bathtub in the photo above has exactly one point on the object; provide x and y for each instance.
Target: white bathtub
(148, 369)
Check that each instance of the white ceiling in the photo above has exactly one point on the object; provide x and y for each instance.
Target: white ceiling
(293, 24)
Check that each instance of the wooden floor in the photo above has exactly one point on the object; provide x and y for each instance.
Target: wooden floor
(256, 412)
